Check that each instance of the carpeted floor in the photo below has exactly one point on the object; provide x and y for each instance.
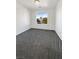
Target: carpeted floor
(38, 44)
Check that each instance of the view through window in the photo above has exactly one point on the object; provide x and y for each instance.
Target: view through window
(42, 18)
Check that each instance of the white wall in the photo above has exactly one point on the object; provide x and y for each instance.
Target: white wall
(51, 20)
(22, 18)
(58, 22)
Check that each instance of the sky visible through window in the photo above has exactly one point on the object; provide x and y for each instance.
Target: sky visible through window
(41, 14)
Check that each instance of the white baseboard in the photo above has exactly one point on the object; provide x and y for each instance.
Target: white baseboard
(27, 28)
(58, 35)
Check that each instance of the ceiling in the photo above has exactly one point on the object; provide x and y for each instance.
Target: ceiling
(43, 3)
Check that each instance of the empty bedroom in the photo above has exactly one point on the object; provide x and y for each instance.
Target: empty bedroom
(38, 29)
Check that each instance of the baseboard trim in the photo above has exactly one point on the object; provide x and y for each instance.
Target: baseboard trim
(58, 35)
(22, 32)
(42, 29)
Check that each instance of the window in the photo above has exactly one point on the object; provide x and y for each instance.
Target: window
(42, 18)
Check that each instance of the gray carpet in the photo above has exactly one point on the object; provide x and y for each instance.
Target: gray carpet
(38, 44)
